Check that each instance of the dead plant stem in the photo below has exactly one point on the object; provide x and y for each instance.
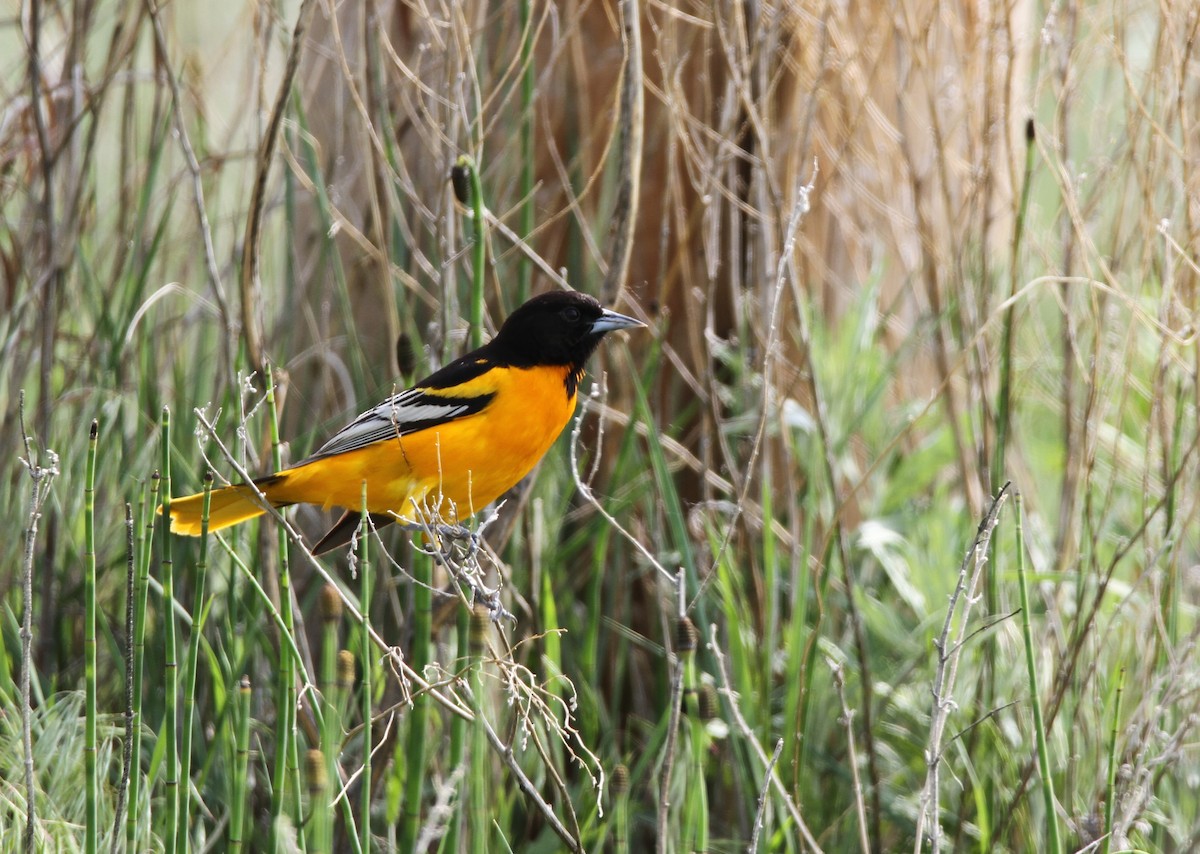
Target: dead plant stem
(949, 644)
(41, 478)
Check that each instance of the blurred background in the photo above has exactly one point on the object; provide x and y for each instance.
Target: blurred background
(893, 257)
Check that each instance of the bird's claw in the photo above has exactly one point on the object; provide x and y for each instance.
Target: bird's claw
(496, 609)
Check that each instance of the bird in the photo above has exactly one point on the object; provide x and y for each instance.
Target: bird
(448, 446)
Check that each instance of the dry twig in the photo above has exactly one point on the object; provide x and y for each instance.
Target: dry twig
(41, 476)
(949, 646)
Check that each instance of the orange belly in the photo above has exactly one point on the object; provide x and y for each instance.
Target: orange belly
(453, 470)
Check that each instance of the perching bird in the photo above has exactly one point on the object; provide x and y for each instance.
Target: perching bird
(452, 443)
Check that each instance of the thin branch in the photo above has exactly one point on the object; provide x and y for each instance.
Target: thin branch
(762, 799)
(41, 477)
(970, 573)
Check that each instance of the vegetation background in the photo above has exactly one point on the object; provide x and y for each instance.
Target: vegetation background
(894, 257)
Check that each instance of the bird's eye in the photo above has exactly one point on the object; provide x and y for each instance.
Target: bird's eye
(571, 314)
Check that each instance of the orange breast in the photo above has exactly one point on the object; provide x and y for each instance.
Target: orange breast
(455, 469)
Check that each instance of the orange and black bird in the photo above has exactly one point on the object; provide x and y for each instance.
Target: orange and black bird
(448, 446)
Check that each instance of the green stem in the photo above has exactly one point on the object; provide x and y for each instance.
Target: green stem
(91, 840)
(237, 809)
(193, 656)
(697, 794)
(130, 598)
(287, 757)
(1004, 402)
(1054, 845)
(331, 607)
(458, 734)
(771, 583)
(477, 780)
(620, 788)
(174, 833)
(319, 831)
(414, 752)
(146, 527)
(694, 812)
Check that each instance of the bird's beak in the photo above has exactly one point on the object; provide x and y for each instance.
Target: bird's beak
(610, 320)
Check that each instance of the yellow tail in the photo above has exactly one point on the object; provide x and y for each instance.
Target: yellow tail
(229, 506)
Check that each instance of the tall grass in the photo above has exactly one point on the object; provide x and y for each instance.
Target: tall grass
(890, 263)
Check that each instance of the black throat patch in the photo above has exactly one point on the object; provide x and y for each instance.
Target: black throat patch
(573, 379)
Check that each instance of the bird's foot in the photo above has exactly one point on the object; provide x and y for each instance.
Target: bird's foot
(490, 599)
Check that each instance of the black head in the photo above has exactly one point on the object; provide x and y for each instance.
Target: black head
(556, 328)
